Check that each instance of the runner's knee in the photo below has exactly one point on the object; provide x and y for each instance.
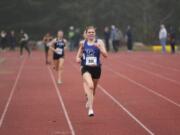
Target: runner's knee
(91, 86)
(60, 68)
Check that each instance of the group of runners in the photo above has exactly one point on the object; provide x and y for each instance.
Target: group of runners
(88, 56)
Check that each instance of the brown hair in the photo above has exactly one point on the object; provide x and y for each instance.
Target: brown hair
(89, 27)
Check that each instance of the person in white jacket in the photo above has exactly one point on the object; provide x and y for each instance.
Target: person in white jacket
(163, 37)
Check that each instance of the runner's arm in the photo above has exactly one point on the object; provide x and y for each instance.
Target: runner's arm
(65, 42)
(79, 53)
(102, 48)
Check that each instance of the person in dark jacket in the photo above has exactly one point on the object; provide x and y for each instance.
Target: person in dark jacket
(12, 40)
(172, 40)
(3, 41)
(107, 35)
(129, 39)
(24, 42)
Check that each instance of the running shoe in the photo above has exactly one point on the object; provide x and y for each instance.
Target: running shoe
(90, 113)
(59, 82)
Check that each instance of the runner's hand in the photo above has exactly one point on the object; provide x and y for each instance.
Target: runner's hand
(58, 51)
(97, 45)
(78, 60)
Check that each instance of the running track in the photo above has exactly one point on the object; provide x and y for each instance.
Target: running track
(139, 94)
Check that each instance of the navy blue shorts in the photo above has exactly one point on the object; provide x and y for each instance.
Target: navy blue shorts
(94, 71)
(57, 56)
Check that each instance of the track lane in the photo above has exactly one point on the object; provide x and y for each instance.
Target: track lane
(35, 108)
(29, 104)
(160, 116)
(162, 86)
(8, 73)
(159, 71)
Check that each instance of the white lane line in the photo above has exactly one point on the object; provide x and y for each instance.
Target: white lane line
(155, 64)
(127, 111)
(121, 106)
(153, 73)
(12, 93)
(142, 86)
(62, 103)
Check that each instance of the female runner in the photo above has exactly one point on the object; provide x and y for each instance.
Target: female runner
(58, 45)
(89, 57)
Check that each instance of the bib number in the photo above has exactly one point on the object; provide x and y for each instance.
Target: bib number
(59, 51)
(91, 61)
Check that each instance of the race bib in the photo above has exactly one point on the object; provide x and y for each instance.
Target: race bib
(91, 61)
(59, 51)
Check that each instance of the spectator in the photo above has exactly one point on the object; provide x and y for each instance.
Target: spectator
(12, 40)
(24, 42)
(172, 39)
(129, 39)
(3, 39)
(115, 37)
(71, 36)
(77, 38)
(107, 35)
(163, 37)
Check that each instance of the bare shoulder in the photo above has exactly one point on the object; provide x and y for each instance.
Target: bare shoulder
(81, 43)
(65, 40)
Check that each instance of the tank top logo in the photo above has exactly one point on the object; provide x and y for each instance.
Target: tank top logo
(59, 43)
(90, 52)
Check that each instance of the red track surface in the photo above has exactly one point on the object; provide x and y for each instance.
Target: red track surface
(139, 94)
